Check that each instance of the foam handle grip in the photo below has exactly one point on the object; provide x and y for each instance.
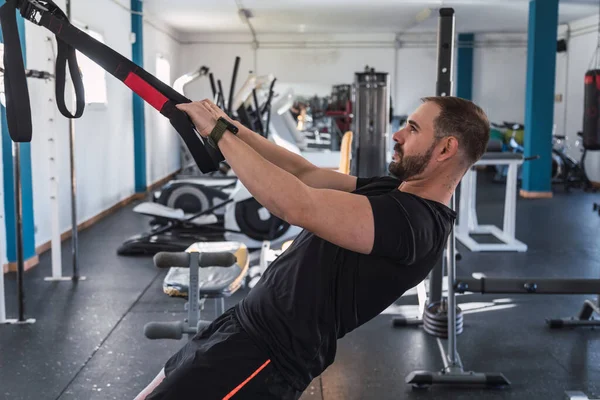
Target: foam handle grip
(169, 259)
(164, 330)
(223, 259)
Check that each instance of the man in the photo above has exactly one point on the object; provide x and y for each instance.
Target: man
(365, 242)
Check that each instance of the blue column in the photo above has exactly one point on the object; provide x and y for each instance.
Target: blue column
(9, 182)
(139, 128)
(539, 99)
(464, 70)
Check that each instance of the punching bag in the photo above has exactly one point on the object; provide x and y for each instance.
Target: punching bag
(591, 106)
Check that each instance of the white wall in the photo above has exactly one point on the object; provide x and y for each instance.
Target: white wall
(581, 47)
(499, 76)
(312, 64)
(309, 65)
(162, 141)
(415, 77)
(104, 134)
(218, 53)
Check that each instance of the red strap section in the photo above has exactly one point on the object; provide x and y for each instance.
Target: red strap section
(146, 91)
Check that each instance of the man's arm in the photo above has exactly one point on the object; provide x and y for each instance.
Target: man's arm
(296, 164)
(150, 388)
(342, 218)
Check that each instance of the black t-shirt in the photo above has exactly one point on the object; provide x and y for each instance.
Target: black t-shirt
(316, 292)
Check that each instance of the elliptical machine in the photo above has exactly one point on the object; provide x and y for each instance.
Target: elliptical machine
(242, 220)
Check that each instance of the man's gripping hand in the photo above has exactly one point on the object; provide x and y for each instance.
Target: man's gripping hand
(204, 115)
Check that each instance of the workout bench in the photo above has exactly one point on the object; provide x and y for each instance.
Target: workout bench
(205, 270)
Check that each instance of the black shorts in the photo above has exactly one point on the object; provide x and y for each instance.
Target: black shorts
(222, 362)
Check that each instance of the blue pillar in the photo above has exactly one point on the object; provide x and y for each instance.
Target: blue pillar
(139, 129)
(9, 181)
(464, 70)
(539, 99)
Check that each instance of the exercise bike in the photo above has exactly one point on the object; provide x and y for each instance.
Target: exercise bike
(509, 136)
(565, 169)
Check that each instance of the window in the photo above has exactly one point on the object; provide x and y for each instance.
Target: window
(94, 76)
(163, 69)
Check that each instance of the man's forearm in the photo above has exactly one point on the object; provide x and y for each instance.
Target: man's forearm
(276, 189)
(283, 158)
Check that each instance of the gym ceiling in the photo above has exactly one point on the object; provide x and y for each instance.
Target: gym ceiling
(350, 16)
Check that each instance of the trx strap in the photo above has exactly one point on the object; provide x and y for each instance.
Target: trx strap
(156, 93)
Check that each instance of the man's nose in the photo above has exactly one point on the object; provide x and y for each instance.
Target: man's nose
(399, 136)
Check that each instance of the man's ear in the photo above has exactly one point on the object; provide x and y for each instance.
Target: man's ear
(449, 148)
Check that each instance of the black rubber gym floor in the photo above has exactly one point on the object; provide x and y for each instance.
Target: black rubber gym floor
(88, 343)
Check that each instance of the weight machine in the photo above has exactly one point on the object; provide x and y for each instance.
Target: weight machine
(443, 318)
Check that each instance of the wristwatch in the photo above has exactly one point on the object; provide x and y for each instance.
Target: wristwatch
(219, 130)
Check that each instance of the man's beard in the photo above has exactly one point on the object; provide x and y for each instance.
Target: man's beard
(408, 167)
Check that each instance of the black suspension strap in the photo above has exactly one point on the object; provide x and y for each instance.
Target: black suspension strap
(69, 38)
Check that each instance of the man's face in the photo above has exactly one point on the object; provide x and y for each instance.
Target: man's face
(415, 143)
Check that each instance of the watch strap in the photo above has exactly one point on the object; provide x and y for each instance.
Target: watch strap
(219, 130)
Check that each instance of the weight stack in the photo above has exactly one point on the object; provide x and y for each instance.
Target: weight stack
(371, 106)
(435, 319)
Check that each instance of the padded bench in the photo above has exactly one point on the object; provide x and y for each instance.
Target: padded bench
(214, 282)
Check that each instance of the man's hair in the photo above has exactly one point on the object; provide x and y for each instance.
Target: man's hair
(464, 120)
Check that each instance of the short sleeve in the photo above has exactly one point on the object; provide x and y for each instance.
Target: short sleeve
(394, 231)
(387, 182)
(360, 182)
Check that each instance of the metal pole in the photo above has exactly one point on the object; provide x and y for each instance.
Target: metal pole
(451, 255)
(19, 231)
(444, 88)
(453, 372)
(75, 276)
(74, 238)
(54, 186)
(20, 256)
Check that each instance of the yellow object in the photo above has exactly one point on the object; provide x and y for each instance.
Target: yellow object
(286, 245)
(346, 153)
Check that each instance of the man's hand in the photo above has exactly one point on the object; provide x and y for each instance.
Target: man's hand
(204, 115)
